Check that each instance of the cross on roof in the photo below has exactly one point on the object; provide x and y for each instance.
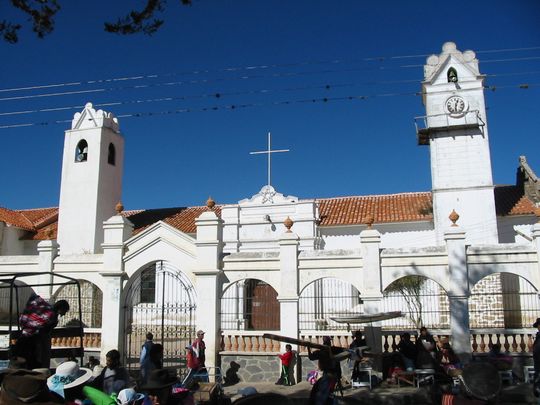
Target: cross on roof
(269, 151)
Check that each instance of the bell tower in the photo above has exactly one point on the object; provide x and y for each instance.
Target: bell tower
(455, 129)
(91, 180)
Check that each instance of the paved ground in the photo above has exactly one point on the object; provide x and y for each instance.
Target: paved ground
(388, 395)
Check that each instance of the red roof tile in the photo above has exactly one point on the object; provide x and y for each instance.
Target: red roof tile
(16, 219)
(510, 200)
(404, 207)
(340, 211)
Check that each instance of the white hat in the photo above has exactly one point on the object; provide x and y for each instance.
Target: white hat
(68, 375)
(128, 396)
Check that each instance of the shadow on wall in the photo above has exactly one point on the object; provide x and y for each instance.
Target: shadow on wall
(231, 375)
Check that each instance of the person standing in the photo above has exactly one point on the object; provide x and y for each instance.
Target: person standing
(536, 359)
(286, 359)
(37, 321)
(198, 346)
(145, 360)
(195, 358)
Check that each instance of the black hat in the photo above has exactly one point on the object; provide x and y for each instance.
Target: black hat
(535, 325)
(27, 387)
(481, 380)
(158, 379)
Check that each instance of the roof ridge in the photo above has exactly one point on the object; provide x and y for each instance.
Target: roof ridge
(374, 195)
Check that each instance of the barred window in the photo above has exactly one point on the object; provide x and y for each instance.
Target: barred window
(91, 304)
(148, 285)
(326, 298)
(503, 300)
(250, 304)
(424, 302)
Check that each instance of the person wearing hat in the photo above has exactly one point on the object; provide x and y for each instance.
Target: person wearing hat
(196, 358)
(68, 380)
(22, 387)
(536, 358)
(159, 386)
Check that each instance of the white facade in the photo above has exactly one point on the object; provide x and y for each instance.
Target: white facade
(91, 184)
(251, 240)
(459, 143)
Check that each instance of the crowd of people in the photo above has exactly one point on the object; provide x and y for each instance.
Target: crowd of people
(28, 379)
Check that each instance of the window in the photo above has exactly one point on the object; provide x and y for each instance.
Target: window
(250, 305)
(81, 152)
(452, 75)
(111, 158)
(148, 285)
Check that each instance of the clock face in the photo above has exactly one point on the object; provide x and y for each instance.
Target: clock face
(455, 105)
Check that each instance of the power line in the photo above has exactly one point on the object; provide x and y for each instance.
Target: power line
(261, 67)
(250, 105)
(179, 83)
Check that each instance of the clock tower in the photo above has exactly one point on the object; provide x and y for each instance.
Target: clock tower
(455, 129)
(91, 180)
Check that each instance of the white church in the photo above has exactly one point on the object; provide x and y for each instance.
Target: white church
(272, 263)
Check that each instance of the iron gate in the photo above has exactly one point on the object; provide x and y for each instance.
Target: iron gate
(161, 300)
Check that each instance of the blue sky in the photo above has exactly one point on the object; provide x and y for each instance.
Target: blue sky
(284, 54)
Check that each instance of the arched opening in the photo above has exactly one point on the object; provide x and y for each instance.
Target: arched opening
(250, 304)
(424, 302)
(159, 299)
(111, 157)
(452, 75)
(325, 298)
(503, 300)
(21, 294)
(91, 304)
(81, 151)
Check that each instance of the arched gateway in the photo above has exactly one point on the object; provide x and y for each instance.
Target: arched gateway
(159, 299)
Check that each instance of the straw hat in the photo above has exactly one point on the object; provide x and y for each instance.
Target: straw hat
(68, 375)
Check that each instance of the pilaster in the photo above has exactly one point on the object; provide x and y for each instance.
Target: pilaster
(370, 242)
(207, 274)
(458, 293)
(288, 294)
(110, 333)
(536, 240)
(47, 251)
(116, 230)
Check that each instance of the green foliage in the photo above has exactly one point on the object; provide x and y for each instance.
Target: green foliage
(410, 288)
(42, 14)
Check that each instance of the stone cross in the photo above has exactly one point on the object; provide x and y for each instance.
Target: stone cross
(269, 151)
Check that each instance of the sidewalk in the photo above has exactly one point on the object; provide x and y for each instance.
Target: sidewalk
(520, 394)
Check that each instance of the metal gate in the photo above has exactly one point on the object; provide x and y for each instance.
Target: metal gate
(160, 300)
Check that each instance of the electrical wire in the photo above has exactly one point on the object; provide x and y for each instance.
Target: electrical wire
(249, 105)
(261, 67)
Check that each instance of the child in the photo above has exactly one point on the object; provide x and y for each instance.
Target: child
(286, 359)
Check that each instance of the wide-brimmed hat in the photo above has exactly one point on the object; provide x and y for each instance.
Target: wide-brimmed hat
(158, 379)
(68, 375)
(128, 396)
(481, 380)
(535, 325)
(27, 387)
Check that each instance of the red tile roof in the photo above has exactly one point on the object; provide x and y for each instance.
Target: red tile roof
(15, 219)
(340, 211)
(404, 207)
(181, 218)
(510, 200)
